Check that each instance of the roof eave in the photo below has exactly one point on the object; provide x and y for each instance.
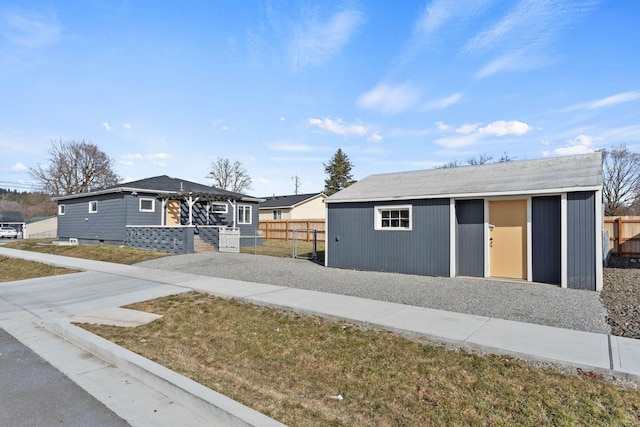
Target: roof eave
(467, 195)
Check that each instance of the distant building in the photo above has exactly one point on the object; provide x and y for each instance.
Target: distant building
(297, 206)
(12, 219)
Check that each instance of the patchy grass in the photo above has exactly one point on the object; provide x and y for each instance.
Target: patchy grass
(284, 249)
(288, 366)
(19, 269)
(108, 253)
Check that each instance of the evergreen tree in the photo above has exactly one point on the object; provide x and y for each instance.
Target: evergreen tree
(339, 173)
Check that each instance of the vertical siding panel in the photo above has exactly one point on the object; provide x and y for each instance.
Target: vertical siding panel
(353, 242)
(470, 238)
(546, 239)
(581, 240)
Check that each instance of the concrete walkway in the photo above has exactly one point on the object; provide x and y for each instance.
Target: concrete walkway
(51, 302)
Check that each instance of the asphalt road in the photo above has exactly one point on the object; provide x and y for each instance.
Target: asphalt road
(34, 393)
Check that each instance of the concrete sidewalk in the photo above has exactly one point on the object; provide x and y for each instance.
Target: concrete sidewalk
(119, 285)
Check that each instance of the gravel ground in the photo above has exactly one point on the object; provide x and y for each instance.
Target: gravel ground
(621, 296)
(520, 301)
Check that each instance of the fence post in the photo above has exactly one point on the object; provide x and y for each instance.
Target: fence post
(617, 236)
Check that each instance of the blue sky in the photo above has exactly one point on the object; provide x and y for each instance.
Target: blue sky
(166, 87)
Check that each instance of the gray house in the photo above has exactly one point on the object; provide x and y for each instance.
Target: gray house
(160, 213)
(535, 220)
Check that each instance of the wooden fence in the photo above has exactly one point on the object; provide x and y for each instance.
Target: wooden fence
(283, 229)
(624, 234)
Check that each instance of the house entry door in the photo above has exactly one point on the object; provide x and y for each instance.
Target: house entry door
(173, 212)
(508, 238)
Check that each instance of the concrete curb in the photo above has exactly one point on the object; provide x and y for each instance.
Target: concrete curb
(192, 395)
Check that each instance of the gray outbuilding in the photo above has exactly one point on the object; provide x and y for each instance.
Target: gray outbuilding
(533, 220)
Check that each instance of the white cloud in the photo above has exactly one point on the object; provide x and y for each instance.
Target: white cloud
(107, 126)
(127, 125)
(156, 159)
(459, 141)
(390, 99)
(339, 127)
(609, 101)
(472, 133)
(313, 42)
(443, 127)
(502, 128)
(160, 159)
(468, 128)
(442, 103)
(521, 36)
(581, 144)
(18, 167)
(27, 32)
(375, 137)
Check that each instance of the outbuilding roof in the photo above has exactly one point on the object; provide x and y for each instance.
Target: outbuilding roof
(548, 175)
(288, 201)
(165, 185)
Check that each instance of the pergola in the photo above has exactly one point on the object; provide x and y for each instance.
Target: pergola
(194, 197)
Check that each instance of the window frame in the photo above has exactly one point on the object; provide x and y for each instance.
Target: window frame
(244, 215)
(91, 204)
(277, 214)
(61, 209)
(378, 217)
(146, 199)
(222, 204)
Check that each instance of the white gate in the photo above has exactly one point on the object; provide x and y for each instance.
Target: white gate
(229, 240)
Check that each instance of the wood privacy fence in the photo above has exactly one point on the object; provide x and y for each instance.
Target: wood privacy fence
(283, 229)
(624, 234)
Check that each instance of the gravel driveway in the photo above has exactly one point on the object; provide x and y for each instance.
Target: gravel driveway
(524, 302)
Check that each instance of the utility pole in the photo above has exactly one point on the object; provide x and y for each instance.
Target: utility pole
(296, 181)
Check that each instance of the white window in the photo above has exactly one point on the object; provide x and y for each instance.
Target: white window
(60, 209)
(146, 205)
(244, 214)
(393, 217)
(219, 207)
(93, 206)
(277, 214)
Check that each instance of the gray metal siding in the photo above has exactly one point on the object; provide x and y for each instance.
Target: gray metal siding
(546, 239)
(352, 241)
(132, 213)
(107, 225)
(470, 238)
(581, 243)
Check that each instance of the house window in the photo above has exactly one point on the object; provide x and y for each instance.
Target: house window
(147, 205)
(60, 209)
(244, 214)
(219, 207)
(277, 214)
(393, 217)
(93, 206)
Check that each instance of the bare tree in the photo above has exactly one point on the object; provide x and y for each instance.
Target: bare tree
(229, 176)
(75, 167)
(621, 179)
(482, 159)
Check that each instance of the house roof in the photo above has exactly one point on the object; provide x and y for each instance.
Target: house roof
(11, 216)
(165, 185)
(289, 201)
(549, 175)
